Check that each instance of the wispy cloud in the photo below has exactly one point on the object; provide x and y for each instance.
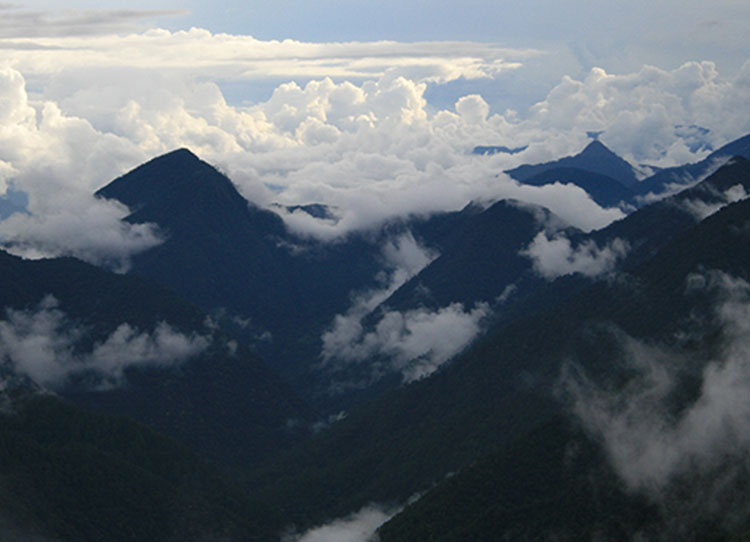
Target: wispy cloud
(17, 21)
(42, 343)
(555, 257)
(688, 454)
(357, 527)
(414, 343)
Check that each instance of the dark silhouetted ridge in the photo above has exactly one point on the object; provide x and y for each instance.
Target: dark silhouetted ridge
(180, 191)
(596, 158)
(664, 179)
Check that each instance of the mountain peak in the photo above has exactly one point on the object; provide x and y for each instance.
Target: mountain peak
(178, 190)
(163, 177)
(595, 158)
(596, 147)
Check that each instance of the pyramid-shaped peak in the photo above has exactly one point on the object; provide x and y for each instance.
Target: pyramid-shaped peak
(183, 153)
(179, 172)
(595, 158)
(597, 149)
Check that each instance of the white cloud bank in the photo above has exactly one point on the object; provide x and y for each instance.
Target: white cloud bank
(555, 257)
(41, 344)
(360, 136)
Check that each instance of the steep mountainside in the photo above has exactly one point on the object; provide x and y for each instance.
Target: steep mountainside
(508, 492)
(485, 245)
(669, 179)
(504, 388)
(222, 401)
(70, 475)
(239, 263)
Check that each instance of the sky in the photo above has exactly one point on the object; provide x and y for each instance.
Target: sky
(370, 107)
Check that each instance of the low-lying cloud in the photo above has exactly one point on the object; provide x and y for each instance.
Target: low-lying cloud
(357, 527)
(555, 257)
(703, 208)
(415, 343)
(89, 229)
(649, 441)
(41, 343)
(403, 259)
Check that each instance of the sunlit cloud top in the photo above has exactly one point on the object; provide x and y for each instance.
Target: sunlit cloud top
(378, 125)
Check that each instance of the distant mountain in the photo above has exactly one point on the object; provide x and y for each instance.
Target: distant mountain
(604, 190)
(479, 257)
(595, 158)
(239, 263)
(675, 178)
(485, 150)
(223, 402)
(13, 201)
(650, 227)
(489, 244)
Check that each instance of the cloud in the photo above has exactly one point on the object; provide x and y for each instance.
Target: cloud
(347, 125)
(649, 442)
(403, 259)
(555, 257)
(91, 230)
(415, 343)
(20, 22)
(358, 527)
(245, 58)
(57, 161)
(703, 209)
(41, 343)
(651, 101)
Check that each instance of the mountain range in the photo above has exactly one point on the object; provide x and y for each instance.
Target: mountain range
(490, 373)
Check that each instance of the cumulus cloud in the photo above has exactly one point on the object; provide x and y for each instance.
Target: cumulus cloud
(56, 161)
(555, 257)
(358, 527)
(649, 442)
(41, 343)
(651, 101)
(349, 125)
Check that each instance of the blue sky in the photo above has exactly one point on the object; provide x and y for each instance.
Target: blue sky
(576, 35)
(612, 32)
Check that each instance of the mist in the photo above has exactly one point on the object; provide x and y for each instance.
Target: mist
(41, 343)
(689, 457)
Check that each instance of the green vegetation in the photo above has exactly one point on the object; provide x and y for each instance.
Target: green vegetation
(77, 476)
